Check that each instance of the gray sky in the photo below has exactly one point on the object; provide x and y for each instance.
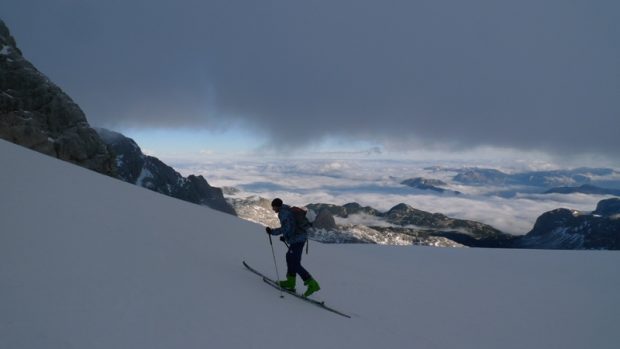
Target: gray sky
(531, 75)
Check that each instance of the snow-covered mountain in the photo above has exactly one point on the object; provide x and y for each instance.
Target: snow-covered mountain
(87, 261)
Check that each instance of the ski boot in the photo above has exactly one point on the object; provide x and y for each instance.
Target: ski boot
(289, 283)
(313, 286)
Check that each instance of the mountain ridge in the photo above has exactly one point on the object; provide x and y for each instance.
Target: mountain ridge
(584, 189)
(403, 224)
(149, 172)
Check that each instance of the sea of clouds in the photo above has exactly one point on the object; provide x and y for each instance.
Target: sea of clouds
(376, 183)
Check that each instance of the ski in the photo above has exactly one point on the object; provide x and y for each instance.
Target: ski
(274, 284)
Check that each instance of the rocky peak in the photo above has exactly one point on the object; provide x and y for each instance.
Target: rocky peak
(8, 46)
(37, 114)
(128, 156)
(570, 229)
(402, 209)
(150, 172)
(403, 214)
(355, 208)
(549, 220)
(608, 207)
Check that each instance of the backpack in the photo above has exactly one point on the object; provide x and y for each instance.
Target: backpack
(301, 222)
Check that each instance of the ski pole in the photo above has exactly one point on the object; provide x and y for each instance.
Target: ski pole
(276, 265)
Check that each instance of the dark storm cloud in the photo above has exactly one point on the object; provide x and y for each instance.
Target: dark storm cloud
(525, 74)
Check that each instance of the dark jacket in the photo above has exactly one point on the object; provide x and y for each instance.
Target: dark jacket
(288, 228)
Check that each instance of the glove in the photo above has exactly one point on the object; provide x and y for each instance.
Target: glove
(282, 238)
(268, 230)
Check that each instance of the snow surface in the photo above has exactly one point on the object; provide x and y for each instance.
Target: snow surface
(144, 174)
(6, 50)
(87, 261)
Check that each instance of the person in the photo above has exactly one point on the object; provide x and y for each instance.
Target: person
(295, 237)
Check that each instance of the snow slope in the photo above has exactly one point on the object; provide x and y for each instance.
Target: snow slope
(87, 261)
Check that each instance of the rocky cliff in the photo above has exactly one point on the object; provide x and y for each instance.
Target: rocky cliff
(37, 114)
(570, 229)
(135, 167)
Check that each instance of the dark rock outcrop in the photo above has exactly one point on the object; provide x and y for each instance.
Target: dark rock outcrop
(149, 172)
(37, 114)
(324, 220)
(570, 229)
(609, 207)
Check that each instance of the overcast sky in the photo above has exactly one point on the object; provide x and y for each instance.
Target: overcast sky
(531, 75)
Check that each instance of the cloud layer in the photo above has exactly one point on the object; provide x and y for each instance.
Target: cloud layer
(527, 74)
(377, 184)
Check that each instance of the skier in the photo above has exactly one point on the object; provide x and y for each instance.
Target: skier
(295, 237)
